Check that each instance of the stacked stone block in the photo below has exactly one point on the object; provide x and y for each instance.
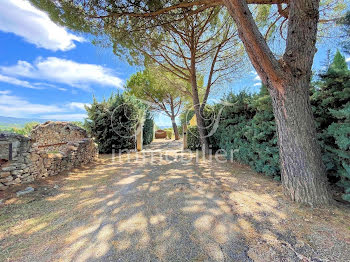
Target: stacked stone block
(51, 149)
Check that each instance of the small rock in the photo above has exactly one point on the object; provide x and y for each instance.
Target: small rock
(1, 201)
(25, 191)
(56, 186)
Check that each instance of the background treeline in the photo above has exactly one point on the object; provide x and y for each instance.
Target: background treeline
(112, 122)
(247, 129)
(28, 127)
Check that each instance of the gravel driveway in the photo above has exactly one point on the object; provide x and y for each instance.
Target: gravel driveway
(165, 205)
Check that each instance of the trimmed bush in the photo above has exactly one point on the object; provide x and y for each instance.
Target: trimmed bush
(247, 132)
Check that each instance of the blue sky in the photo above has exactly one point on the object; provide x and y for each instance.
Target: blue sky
(48, 72)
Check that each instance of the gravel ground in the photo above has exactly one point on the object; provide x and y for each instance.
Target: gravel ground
(167, 205)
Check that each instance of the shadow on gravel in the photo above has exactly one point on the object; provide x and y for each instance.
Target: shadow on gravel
(136, 209)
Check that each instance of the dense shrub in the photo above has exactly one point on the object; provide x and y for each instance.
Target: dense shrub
(148, 129)
(193, 142)
(113, 122)
(247, 132)
(331, 106)
(193, 138)
(169, 133)
(247, 129)
(185, 117)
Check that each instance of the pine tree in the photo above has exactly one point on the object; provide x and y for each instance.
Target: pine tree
(339, 63)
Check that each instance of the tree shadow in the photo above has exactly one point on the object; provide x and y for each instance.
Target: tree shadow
(153, 208)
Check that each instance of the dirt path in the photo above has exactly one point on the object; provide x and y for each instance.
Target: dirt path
(153, 207)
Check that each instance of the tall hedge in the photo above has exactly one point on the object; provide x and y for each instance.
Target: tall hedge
(113, 122)
(331, 106)
(247, 130)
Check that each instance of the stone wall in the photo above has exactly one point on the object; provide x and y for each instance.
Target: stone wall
(20, 168)
(74, 155)
(56, 134)
(52, 148)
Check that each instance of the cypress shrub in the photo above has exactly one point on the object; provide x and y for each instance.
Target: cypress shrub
(148, 127)
(331, 107)
(247, 132)
(113, 122)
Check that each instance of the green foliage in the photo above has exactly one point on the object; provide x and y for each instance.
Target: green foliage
(247, 129)
(148, 129)
(78, 123)
(331, 106)
(247, 132)
(193, 142)
(113, 122)
(155, 85)
(185, 117)
(338, 64)
(210, 115)
(159, 88)
(169, 132)
(28, 127)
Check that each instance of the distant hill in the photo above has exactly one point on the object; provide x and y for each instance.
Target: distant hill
(18, 122)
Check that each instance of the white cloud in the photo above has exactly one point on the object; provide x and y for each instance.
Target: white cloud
(257, 84)
(15, 106)
(66, 117)
(23, 19)
(64, 71)
(5, 92)
(348, 60)
(257, 77)
(77, 105)
(17, 82)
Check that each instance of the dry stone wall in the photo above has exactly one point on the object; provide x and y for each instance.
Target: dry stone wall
(52, 148)
(16, 164)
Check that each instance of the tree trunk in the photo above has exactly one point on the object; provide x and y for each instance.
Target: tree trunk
(201, 130)
(303, 174)
(176, 130)
(197, 105)
(200, 119)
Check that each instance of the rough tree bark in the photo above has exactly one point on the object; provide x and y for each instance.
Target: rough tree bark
(197, 106)
(303, 173)
(173, 118)
(176, 130)
(199, 117)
